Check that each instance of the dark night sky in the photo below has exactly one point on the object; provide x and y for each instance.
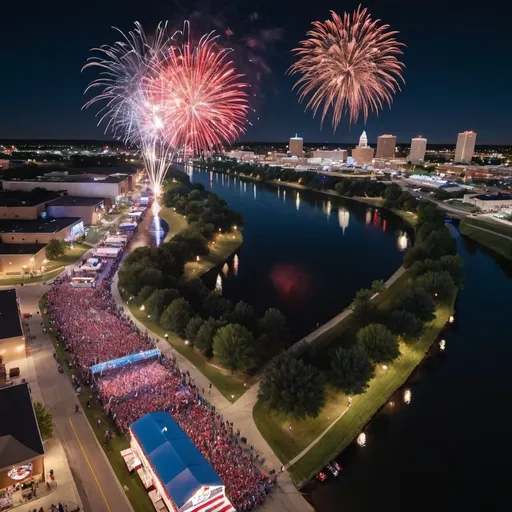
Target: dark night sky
(457, 65)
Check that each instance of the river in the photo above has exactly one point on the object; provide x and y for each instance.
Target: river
(448, 448)
(304, 253)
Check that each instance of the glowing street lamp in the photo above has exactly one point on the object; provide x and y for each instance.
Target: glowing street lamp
(142, 308)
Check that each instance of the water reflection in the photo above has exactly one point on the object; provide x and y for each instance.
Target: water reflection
(402, 241)
(368, 216)
(225, 269)
(297, 201)
(343, 218)
(407, 396)
(218, 284)
(327, 208)
(235, 265)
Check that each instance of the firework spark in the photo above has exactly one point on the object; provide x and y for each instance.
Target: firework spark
(203, 98)
(348, 63)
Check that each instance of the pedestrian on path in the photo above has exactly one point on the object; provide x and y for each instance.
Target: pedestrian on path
(77, 408)
(210, 388)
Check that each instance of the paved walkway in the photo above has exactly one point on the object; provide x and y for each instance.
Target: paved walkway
(492, 232)
(97, 488)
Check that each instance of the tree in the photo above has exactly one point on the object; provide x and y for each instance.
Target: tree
(144, 294)
(274, 325)
(454, 265)
(55, 248)
(378, 286)
(363, 309)
(291, 386)
(193, 328)
(439, 284)
(380, 343)
(44, 420)
(243, 314)
(351, 369)
(204, 337)
(418, 302)
(406, 324)
(176, 316)
(234, 347)
(159, 300)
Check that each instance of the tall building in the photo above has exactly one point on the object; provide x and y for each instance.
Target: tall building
(465, 147)
(362, 153)
(296, 146)
(418, 148)
(386, 146)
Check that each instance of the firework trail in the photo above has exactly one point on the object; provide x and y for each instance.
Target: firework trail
(348, 64)
(203, 98)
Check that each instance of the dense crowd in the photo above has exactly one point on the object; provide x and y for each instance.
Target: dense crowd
(94, 330)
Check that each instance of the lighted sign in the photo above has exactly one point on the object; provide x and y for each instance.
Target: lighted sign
(124, 361)
(20, 472)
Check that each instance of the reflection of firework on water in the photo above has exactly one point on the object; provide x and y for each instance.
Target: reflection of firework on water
(235, 265)
(407, 396)
(361, 439)
(225, 269)
(291, 282)
(402, 241)
(348, 64)
(343, 218)
(442, 345)
(218, 284)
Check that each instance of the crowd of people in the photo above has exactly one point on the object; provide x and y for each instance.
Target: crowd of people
(93, 329)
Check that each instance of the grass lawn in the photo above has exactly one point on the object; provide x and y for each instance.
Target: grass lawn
(375, 201)
(136, 493)
(288, 444)
(95, 234)
(225, 245)
(175, 221)
(231, 386)
(495, 242)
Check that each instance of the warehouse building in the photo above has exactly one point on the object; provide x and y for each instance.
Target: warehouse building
(89, 209)
(12, 342)
(24, 205)
(489, 201)
(40, 231)
(21, 258)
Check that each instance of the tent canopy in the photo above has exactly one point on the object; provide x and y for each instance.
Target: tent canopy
(179, 465)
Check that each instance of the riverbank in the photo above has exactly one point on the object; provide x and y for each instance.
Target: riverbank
(493, 235)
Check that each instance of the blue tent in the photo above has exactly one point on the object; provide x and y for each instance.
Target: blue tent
(179, 465)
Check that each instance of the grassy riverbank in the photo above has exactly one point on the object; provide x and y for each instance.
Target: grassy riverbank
(131, 482)
(345, 423)
(175, 222)
(492, 234)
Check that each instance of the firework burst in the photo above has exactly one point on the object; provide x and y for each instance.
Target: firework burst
(348, 64)
(203, 98)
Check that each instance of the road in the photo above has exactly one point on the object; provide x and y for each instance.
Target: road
(97, 484)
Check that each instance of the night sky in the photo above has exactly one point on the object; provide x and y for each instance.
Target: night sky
(457, 64)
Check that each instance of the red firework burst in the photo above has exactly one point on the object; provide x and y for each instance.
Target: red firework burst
(202, 98)
(348, 63)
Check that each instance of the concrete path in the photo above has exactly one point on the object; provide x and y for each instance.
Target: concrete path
(97, 484)
(492, 232)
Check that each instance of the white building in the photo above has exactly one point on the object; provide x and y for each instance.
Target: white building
(465, 147)
(335, 155)
(296, 146)
(242, 156)
(418, 149)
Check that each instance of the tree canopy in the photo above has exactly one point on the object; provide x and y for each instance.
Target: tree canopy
(291, 386)
(55, 248)
(234, 347)
(351, 369)
(177, 316)
(44, 420)
(380, 343)
(418, 302)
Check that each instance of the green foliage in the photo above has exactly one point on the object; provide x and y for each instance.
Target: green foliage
(351, 369)
(418, 302)
(273, 325)
(380, 343)
(159, 300)
(234, 347)
(439, 284)
(291, 386)
(177, 316)
(406, 324)
(55, 248)
(144, 294)
(44, 420)
(363, 309)
(454, 265)
(378, 286)
(215, 305)
(204, 337)
(192, 328)
(243, 314)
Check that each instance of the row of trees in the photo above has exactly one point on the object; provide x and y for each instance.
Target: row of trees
(212, 324)
(295, 387)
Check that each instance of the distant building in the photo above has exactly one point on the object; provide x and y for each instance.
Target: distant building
(11, 333)
(335, 155)
(489, 201)
(21, 258)
(241, 156)
(296, 146)
(23, 205)
(418, 148)
(465, 147)
(363, 154)
(89, 209)
(386, 145)
(40, 231)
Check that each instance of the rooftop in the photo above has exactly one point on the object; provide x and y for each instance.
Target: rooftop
(36, 226)
(22, 198)
(76, 201)
(10, 324)
(76, 178)
(21, 248)
(494, 197)
(179, 465)
(20, 439)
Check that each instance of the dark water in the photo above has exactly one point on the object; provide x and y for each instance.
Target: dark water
(304, 253)
(449, 449)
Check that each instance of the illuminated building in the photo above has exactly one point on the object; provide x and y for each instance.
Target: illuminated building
(296, 146)
(418, 148)
(362, 153)
(465, 147)
(386, 145)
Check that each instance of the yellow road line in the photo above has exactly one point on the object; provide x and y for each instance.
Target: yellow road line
(89, 464)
